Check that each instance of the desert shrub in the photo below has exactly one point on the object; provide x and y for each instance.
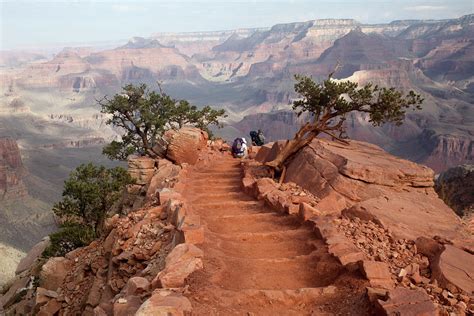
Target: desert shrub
(68, 238)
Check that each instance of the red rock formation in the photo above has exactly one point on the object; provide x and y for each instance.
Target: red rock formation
(11, 170)
(184, 145)
(362, 180)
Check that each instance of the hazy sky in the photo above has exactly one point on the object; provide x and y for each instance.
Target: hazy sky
(42, 23)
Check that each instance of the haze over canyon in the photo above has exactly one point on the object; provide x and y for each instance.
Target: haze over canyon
(50, 120)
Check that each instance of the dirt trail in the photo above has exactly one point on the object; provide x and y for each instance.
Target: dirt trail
(258, 262)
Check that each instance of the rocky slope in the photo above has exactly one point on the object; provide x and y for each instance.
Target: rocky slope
(380, 213)
(348, 236)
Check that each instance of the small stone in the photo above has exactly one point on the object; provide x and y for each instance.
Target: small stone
(437, 290)
(376, 293)
(452, 301)
(402, 273)
(329, 289)
(461, 306)
(122, 301)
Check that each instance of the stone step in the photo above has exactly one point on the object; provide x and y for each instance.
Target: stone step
(211, 205)
(217, 189)
(218, 172)
(276, 302)
(267, 222)
(267, 249)
(232, 210)
(298, 235)
(273, 273)
(221, 196)
(210, 183)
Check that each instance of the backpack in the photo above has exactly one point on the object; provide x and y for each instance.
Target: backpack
(260, 140)
(237, 146)
(254, 137)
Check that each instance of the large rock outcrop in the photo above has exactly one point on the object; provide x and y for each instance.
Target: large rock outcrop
(185, 144)
(456, 187)
(362, 180)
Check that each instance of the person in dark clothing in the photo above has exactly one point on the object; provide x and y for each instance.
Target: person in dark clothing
(258, 139)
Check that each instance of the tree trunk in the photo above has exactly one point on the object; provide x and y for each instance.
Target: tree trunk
(304, 136)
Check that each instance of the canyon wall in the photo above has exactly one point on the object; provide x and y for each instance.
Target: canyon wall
(11, 171)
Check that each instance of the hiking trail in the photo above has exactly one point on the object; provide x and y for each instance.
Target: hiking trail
(257, 261)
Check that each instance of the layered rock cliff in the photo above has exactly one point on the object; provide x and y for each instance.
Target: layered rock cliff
(11, 171)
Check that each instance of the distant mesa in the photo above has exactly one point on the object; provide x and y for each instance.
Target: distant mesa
(140, 42)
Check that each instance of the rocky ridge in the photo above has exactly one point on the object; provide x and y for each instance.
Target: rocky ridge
(409, 267)
(137, 261)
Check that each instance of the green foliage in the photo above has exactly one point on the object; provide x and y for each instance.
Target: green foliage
(89, 193)
(329, 102)
(68, 238)
(145, 115)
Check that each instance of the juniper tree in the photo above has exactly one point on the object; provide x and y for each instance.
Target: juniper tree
(328, 103)
(144, 116)
(89, 193)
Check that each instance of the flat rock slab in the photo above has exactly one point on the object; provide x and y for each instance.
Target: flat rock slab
(32, 255)
(455, 267)
(377, 273)
(406, 302)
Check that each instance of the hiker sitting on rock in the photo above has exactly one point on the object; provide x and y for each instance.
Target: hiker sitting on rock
(239, 148)
(258, 139)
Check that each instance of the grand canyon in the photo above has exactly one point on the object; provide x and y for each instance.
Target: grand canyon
(50, 122)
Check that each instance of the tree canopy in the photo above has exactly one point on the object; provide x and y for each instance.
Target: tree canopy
(328, 103)
(145, 115)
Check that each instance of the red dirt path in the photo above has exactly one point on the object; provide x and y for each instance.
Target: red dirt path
(258, 262)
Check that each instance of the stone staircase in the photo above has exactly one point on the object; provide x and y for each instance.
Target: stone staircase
(256, 261)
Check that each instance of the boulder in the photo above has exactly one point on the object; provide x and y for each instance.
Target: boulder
(164, 304)
(137, 286)
(378, 274)
(35, 252)
(94, 297)
(191, 229)
(274, 151)
(141, 162)
(141, 176)
(54, 272)
(263, 152)
(183, 260)
(44, 295)
(428, 247)
(161, 178)
(15, 292)
(52, 307)
(141, 169)
(407, 302)
(454, 268)
(185, 144)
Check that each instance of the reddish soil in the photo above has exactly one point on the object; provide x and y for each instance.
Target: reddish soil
(258, 262)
